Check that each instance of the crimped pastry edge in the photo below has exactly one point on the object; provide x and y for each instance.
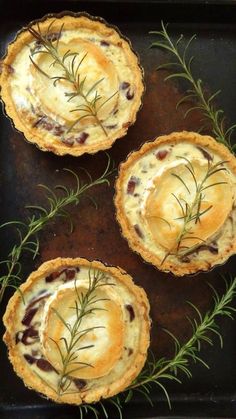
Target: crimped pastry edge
(90, 396)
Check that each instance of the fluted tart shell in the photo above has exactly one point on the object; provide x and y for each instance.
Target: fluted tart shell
(156, 192)
(113, 349)
(39, 99)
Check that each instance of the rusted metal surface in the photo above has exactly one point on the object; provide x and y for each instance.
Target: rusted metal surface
(96, 233)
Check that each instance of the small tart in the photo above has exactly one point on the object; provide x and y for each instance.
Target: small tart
(176, 202)
(109, 336)
(80, 103)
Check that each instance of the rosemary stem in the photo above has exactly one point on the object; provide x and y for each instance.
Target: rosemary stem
(35, 225)
(193, 344)
(216, 117)
(189, 215)
(198, 90)
(7, 278)
(70, 76)
(192, 211)
(18, 250)
(63, 374)
(84, 305)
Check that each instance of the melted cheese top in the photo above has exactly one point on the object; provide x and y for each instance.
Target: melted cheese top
(96, 72)
(101, 330)
(175, 190)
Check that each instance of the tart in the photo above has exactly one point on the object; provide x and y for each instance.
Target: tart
(176, 202)
(81, 331)
(71, 83)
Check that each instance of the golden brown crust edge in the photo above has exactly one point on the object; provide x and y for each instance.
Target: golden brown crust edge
(77, 20)
(175, 137)
(92, 395)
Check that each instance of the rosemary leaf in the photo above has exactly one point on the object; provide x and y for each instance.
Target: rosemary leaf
(192, 211)
(28, 230)
(182, 68)
(155, 371)
(69, 66)
(70, 348)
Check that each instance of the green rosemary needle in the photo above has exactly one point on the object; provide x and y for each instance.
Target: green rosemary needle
(192, 212)
(168, 369)
(85, 304)
(183, 70)
(70, 65)
(27, 231)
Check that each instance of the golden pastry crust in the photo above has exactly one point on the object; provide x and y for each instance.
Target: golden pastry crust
(134, 214)
(50, 275)
(41, 110)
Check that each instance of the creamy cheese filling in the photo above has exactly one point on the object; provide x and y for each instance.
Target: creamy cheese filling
(101, 330)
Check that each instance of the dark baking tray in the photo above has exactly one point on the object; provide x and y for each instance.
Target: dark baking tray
(210, 393)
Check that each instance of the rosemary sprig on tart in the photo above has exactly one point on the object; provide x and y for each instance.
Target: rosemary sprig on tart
(182, 69)
(67, 67)
(193, 205)
(28, 230)
(86, 303)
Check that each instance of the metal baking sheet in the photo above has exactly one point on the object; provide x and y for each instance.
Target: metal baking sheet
(210, 393)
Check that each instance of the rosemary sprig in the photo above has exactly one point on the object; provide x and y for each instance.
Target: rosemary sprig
(101, 408)
(192, 213)
(156, 371)
(183, 70)
(28, 230)
(69, 350)
(70, 65)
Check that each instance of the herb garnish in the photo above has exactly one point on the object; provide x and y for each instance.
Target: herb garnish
(70, 65)
(164, 369)
(183, 70)
(57, 204)
(193, 212)
(69, 347)
(85, 304)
